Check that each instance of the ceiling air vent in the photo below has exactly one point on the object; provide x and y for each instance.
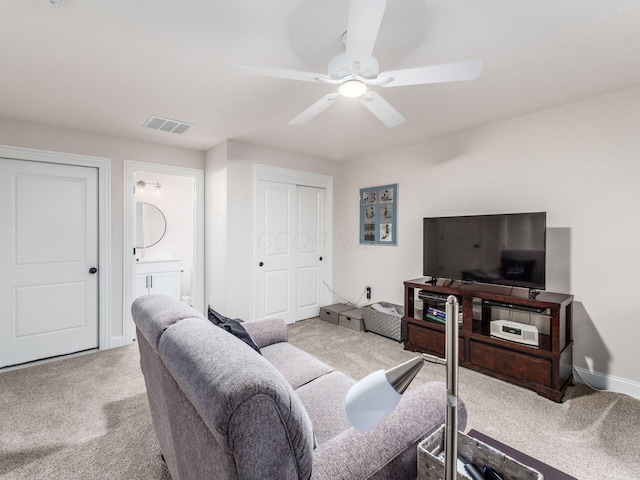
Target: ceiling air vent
(54, 3)
(167, 125)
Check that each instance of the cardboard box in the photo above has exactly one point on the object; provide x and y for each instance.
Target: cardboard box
(352, 319)
(330, 313)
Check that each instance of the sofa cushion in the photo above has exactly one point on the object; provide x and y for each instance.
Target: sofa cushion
(324, 401)
(267, 331)
(296, 366)
(155, 313)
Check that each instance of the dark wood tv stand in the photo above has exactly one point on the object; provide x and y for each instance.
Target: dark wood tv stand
(546, 369)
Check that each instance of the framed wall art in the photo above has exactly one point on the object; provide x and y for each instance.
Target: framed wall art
(379, 215)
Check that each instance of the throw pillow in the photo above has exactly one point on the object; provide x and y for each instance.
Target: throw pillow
(233, 327)
(236, 329)
(215, 317)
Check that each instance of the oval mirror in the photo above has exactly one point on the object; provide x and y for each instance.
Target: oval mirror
(151, 225)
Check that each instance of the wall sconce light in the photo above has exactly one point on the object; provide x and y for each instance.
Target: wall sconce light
(141, 185)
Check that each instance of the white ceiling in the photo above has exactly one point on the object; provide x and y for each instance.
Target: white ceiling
(106, 65)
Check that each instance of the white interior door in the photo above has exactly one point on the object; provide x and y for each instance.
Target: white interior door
(309, 250)
(289, 250)
(48, 297)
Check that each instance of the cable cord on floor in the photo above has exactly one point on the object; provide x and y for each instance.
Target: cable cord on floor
(588, 384)
(348, 302)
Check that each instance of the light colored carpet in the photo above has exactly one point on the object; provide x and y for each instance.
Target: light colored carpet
(590, 435)
(88, 417)
(84, 417)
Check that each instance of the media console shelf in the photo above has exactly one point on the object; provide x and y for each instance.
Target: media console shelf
(546, 368)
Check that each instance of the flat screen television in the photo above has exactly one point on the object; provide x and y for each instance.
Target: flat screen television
(504, 249)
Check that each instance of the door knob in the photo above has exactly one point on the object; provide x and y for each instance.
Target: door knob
(93, 270)
(320, 258)
(261, 264)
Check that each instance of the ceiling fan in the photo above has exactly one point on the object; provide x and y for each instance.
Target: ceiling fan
(357, 69)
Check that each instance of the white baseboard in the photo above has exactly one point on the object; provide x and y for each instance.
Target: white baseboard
(115, 342)
(47, 360)
(611, 383)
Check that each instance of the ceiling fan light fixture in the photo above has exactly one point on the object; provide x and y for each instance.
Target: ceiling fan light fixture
(357, 69)
(352, 88)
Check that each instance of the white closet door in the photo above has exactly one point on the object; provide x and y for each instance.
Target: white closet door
(309, 248)
(275, 228)
(49, 243)
(289, 249)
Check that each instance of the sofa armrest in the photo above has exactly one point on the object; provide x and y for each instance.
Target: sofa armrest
(389, 450)
(267, 331)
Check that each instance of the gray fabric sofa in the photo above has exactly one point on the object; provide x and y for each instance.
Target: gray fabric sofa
(223, 411)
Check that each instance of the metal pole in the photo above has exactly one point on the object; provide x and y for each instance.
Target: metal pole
(451, 419)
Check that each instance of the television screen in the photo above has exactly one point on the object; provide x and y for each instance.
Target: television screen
(505, 249)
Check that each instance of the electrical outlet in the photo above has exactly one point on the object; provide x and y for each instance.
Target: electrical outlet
(369, 293)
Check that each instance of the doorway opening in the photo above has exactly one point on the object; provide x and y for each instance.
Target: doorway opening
(164, 240)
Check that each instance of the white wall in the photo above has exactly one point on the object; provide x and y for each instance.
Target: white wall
(229, 179)
(215, 227)
(44, 137)
(578, 162)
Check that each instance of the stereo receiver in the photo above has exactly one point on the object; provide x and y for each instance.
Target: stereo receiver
(514, 331)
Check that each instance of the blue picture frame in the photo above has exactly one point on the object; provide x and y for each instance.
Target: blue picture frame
(379, 215)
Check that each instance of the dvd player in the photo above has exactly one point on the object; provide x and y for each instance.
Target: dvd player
(523, 308)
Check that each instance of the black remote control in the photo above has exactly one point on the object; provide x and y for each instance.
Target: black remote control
(490, 473)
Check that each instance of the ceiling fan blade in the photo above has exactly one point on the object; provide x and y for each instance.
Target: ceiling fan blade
(382, 109)
(282, 73)
(363, 25)
(314, 109)
(448, 72)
